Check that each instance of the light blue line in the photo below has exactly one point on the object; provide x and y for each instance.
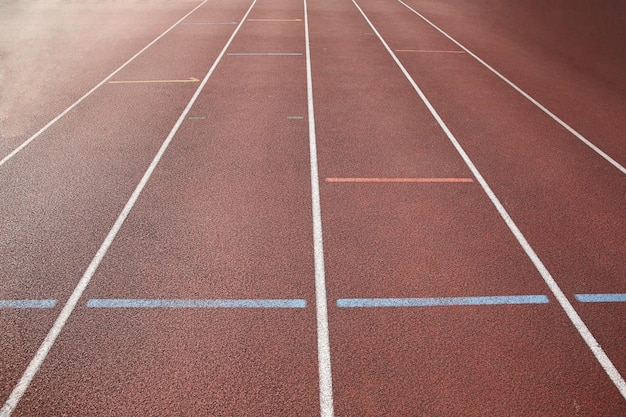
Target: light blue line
(441, 301)
(28, 303)
(601, 298)
(264, 54)
(181, 303)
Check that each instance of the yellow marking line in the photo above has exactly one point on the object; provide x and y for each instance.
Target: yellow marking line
(274, 20)
(189, 80)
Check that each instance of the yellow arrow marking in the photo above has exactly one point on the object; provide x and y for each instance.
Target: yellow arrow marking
(190, 80)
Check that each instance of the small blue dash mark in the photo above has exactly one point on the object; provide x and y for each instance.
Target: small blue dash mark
(442, 301)
(155, 303)
(601, 298)
(28, 303)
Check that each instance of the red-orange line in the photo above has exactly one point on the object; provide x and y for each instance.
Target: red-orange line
(399, 180)
(430, 51)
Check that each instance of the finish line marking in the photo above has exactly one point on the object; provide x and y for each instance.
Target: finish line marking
(441, 301)
(265, 54)
(180, 303)
(27, 304)
(274, 20)
(601, 298)
(428, 51)
(189, 80)
(400, 180)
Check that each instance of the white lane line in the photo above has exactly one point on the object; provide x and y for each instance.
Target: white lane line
(88, 93)
(321, 308)
(209, 23)
(44, 349)
(595, 347)
(523, 93)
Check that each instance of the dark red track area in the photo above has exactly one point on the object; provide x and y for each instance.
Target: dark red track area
(229, 211)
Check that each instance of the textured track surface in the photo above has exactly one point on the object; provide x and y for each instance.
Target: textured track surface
(215, 257)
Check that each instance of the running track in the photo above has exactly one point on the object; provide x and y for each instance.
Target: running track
(351, 208)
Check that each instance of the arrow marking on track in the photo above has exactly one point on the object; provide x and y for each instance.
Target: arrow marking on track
(189, 80)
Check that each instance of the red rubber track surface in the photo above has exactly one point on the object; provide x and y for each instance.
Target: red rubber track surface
(227, 212)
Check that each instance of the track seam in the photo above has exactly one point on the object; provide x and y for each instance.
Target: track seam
(576, 320)
(20, 389)
(523, 93)
(87, 94)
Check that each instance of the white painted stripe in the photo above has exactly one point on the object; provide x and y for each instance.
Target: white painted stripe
(44, 349)
(28, 303)
(523, 93)
(547, 277)
(87, 94)
(194, 303)
(323, 338)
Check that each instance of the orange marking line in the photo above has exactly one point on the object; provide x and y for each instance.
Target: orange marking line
(401, 180)
(429, 51)
(274, 20)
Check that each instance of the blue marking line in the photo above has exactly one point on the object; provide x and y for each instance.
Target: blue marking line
(156, 303)
(441, 301)
(28, 303)
(601, 298)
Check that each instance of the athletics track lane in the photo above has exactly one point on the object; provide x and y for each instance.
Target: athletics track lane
(478, 359)
(380, 243)
(63, 192)
(225, 216)
(567, 200)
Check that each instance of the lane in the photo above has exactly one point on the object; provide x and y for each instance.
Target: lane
(60, 198)
(48, 59)
(568, 202)
(222, 226)
(402, 241)
(570, 60)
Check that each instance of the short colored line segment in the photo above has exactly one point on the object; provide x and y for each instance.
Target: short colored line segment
(441, 301)
(264, 54)
(188, 80)
(274, 20)
(601, 298)
(401, 180)
(428, 51)
(28, 303)
(191, 303)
